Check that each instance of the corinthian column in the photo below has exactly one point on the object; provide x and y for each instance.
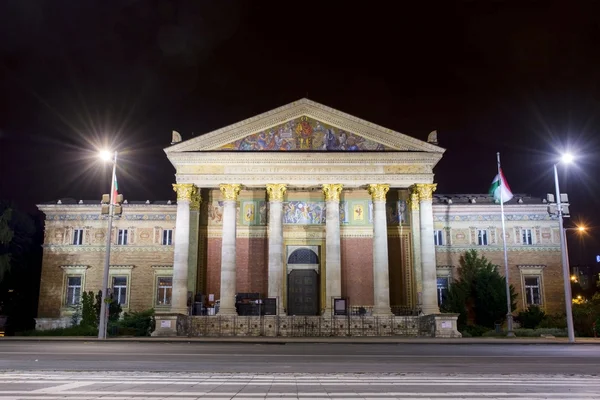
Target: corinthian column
(230, 193)
(276, 192)
(193, 251)
(333, 260)
(381, 274)
(428, 263)
(185, 192)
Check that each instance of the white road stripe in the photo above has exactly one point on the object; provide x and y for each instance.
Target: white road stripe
(61, 388)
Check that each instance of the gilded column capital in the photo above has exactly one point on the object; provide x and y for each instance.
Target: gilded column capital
(425, 190)
(414, 200)
(332, 191)
(184, 191)
(230, 191)
(378, 191)
(276, 191)
(196, 200)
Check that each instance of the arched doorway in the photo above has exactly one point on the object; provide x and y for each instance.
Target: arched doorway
(303, 282)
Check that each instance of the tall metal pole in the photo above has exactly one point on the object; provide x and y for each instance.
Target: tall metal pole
(565, 262)
(103, 317)
(509, 316)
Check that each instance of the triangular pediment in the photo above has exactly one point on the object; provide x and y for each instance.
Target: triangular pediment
(304, 126)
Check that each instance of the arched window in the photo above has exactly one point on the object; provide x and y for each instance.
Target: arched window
(303, 256)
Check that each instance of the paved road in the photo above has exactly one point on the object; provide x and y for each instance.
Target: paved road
(187, 386)
(300, 357)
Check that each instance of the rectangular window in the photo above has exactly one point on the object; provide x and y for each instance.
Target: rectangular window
(78, 237)
(73, 290)
(122, 238)
(527, 238)
(119, 289)
(167, 238)
(164, 291)
(442, 289)
(482, 237)
(532, 290)
(438, 237)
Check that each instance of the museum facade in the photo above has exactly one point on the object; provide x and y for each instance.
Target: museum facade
(305, 206)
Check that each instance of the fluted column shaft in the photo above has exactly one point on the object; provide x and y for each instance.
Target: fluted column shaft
(333, 258)
(276, 273)
(428, 261)
(193, 250)
(228, 267)
(185, 191)
(381, 275)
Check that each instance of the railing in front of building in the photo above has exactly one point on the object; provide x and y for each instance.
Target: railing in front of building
(307, 326)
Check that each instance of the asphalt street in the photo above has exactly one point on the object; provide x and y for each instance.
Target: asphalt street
(299, 357)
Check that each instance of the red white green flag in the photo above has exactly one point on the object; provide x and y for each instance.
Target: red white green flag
(115, 192)
(500, 188)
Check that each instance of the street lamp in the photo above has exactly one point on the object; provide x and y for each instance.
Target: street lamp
(107, 156)
(566, 158)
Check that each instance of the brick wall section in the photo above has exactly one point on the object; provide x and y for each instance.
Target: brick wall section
(252, 265)
(357, 270)
(553, 290)
(213, 269)
(397, 281)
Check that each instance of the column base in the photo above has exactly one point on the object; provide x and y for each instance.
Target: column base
(227, 311)
(382, 312)
(430, 309)
(166, 325)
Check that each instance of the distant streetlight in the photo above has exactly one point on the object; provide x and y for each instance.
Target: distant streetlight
(107, 156)
(566, 159)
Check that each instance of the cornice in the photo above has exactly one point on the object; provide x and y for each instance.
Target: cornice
(114, 248)
(331, 116)
(304, 157)
(489, 249)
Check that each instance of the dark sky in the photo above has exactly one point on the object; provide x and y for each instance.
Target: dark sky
(518, 77)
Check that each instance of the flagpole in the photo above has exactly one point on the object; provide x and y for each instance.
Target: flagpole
(509, 316)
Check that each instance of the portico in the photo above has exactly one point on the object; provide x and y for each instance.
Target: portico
(307, 176)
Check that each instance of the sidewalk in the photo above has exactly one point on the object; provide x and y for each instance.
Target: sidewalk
(295, 340)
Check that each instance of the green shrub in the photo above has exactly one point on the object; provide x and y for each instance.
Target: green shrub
(584, 316)
(553, 321)
(531, 318)
(88, 313)
(77, 330)
(521, 332)
(136, 323)
(475, 330)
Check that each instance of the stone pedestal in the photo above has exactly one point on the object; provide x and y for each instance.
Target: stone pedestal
(381, 276)
(276, 273)
(228, 271)
(333, 259)
(166, 325)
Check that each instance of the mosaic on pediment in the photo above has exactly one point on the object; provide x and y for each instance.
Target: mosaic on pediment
(305, 134)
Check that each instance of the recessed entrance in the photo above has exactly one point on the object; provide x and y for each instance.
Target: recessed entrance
(303, 283)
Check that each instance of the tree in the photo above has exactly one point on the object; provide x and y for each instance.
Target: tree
(479, 293)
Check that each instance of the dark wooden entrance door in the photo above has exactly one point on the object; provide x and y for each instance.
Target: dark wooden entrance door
(303, 292)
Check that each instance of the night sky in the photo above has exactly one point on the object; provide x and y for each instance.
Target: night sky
(521, 78)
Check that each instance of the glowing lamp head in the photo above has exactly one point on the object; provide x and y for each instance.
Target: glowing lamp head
(581, 228)
(567, 158)
(106, 155)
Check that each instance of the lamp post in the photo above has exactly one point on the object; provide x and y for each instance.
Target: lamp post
(106, 155)
(567, 158)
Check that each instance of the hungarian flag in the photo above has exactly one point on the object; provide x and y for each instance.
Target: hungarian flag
(115, 192)
(499, 185)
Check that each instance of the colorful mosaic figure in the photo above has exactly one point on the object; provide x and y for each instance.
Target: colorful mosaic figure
(300, 212)
(359, 212)
(304, 134)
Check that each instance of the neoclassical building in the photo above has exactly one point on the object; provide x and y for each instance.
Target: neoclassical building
(303, 205)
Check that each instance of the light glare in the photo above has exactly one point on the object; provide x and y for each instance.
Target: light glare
(567, 158)
(105, 155)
